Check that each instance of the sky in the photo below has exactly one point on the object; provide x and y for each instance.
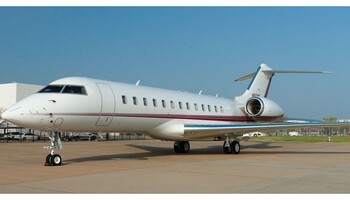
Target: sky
(186, 48)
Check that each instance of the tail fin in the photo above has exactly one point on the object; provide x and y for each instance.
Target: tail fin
(261, 82)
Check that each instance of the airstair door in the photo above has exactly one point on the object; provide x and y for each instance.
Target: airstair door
(107, 105)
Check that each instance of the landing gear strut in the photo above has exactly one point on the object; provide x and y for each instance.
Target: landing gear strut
(181, 146)
(230, 147)
(53, 159)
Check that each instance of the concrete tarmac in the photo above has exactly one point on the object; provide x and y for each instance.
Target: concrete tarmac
(151, 166)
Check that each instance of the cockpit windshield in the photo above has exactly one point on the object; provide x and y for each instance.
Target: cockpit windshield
(74, 89)
(52, 89)
(66, 89)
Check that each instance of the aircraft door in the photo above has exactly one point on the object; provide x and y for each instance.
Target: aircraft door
(107, 105)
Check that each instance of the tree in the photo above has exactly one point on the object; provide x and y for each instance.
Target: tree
(330, 119)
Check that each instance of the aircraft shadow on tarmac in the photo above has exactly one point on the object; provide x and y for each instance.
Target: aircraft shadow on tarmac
(156, 151)
(153, 151)
(268, 145)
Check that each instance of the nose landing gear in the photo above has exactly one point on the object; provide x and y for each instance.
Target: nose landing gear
(53, 159)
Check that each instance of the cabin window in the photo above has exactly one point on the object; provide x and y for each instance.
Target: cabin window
(180, 105)
(188, 106)
(155, 102)
(221, 109)
(209, 108)
(145, 103)
(172, 104)
(52, 89)
(203, 107)
(196, 107)
(163, 103)
(216, 108)
(134, 99)
(125, 100)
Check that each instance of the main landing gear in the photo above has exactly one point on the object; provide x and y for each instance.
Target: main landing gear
(181, 146)
(230, 147)
(53, 159)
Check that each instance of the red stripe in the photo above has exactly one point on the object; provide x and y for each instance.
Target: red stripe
(172, 116)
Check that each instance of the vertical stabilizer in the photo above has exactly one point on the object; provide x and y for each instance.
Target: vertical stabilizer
(260, 84)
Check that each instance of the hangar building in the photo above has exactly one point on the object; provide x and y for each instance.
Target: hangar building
(11, 93)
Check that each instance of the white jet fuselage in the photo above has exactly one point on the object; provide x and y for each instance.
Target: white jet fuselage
(106, 106)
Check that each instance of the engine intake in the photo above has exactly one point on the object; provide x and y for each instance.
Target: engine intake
(254, 107)
(262, 107)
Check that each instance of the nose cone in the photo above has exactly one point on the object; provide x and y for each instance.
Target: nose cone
(29, 113)
(13, 115)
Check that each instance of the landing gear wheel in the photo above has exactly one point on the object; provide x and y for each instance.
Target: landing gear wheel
(227, 149)
(236, 147)
(56, 160)
(177, 147)
(53, 160)
(185, 147)
(181, 147)
(48, 160)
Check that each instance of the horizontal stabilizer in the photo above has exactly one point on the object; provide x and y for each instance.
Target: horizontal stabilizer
(297, 72)
(249, 76)
(243, 78)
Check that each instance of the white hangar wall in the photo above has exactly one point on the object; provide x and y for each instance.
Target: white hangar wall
(11, 93)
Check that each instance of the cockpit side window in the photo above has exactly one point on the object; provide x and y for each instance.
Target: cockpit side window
(73, 89)
(52, 89)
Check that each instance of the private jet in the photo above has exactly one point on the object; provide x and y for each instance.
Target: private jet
(79, 104)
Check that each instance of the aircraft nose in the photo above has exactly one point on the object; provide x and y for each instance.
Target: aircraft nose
(12, 115)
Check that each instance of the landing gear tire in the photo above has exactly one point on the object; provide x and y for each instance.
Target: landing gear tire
(177, 147)
(48, 160)
(234, 148)
(181, 147)
(185, 147)
(227, 149)
(56, 160)
(53, 160)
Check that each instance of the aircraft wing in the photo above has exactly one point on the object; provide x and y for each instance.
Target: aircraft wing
(199, 131)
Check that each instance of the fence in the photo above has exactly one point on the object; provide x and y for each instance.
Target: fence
(19, 135)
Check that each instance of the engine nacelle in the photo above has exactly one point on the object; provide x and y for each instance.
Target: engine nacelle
(259, 107)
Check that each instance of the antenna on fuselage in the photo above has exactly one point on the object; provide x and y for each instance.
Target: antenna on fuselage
(138, 82)
(200, 92)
